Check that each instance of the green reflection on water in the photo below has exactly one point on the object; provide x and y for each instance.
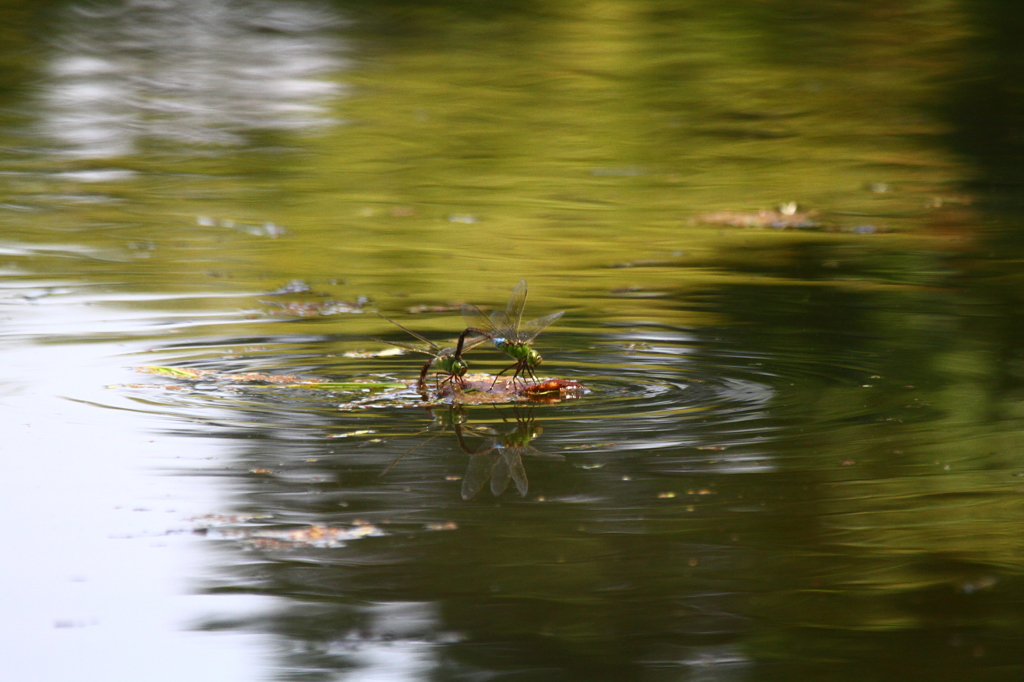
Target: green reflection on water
(573, 145)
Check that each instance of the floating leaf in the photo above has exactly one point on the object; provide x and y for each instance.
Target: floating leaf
(176, 372)
(350, 385)
(386, 353)
(486, 389)
(282, 380)
(319, 536)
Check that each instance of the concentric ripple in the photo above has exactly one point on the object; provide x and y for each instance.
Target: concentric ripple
(684, 400)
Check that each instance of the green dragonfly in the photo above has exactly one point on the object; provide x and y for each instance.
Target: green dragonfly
(446, 361)
(508, 332)
(500, 457)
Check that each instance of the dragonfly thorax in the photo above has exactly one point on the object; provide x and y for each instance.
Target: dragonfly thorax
(521, 351)
(450, 365)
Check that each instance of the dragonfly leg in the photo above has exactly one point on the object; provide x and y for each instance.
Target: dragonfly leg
(522, 370)
(448, 380)
(516, 365)
(527, 370)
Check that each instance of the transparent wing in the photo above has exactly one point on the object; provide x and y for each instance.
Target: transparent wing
(500, 475)
(471, 342)
(411, 333)
(432, 350)
(410, 450)
(532, 328)
(501, 325)
(534, 452)
(475, 318)
(477, 473)
(515, 464)
(516, 304)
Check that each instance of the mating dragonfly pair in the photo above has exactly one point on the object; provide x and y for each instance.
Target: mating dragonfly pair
(504, 328)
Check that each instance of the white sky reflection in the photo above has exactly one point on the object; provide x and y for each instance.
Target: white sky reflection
(195, 72)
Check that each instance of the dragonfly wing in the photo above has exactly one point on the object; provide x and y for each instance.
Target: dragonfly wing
(477, 473)
(530, 450)
(474, 317)
(409, 346)
(471, 342)
(500, 324)
(516, 304)
(515, 465)
(500, 475)
(427, 341)
(532, 328)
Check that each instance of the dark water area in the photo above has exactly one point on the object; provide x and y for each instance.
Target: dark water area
(788, 241)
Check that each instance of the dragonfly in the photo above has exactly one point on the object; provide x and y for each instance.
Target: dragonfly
(500, 457)
(446, 361)
(508, 332)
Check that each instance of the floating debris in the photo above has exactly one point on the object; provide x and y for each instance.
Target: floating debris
(319, 308)
(266, 229)
(551, 386)
(212, 520)
(451, 307)
(589, 446)
(320, 537)
(194, 374)
(486, 388)
(349, 434)
(448, 525)
(386, 353)
(213, 378)
(296, 286)
(785, 217)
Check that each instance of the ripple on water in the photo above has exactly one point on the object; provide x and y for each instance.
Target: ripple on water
(685, 402)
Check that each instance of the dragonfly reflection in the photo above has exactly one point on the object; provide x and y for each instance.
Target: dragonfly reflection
(500, 457)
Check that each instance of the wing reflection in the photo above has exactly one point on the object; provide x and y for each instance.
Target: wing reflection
(500, 457)
(497, 456)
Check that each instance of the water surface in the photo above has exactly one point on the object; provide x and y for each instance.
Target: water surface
(787, 242)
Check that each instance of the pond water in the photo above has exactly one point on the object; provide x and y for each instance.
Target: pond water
(787, 238)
